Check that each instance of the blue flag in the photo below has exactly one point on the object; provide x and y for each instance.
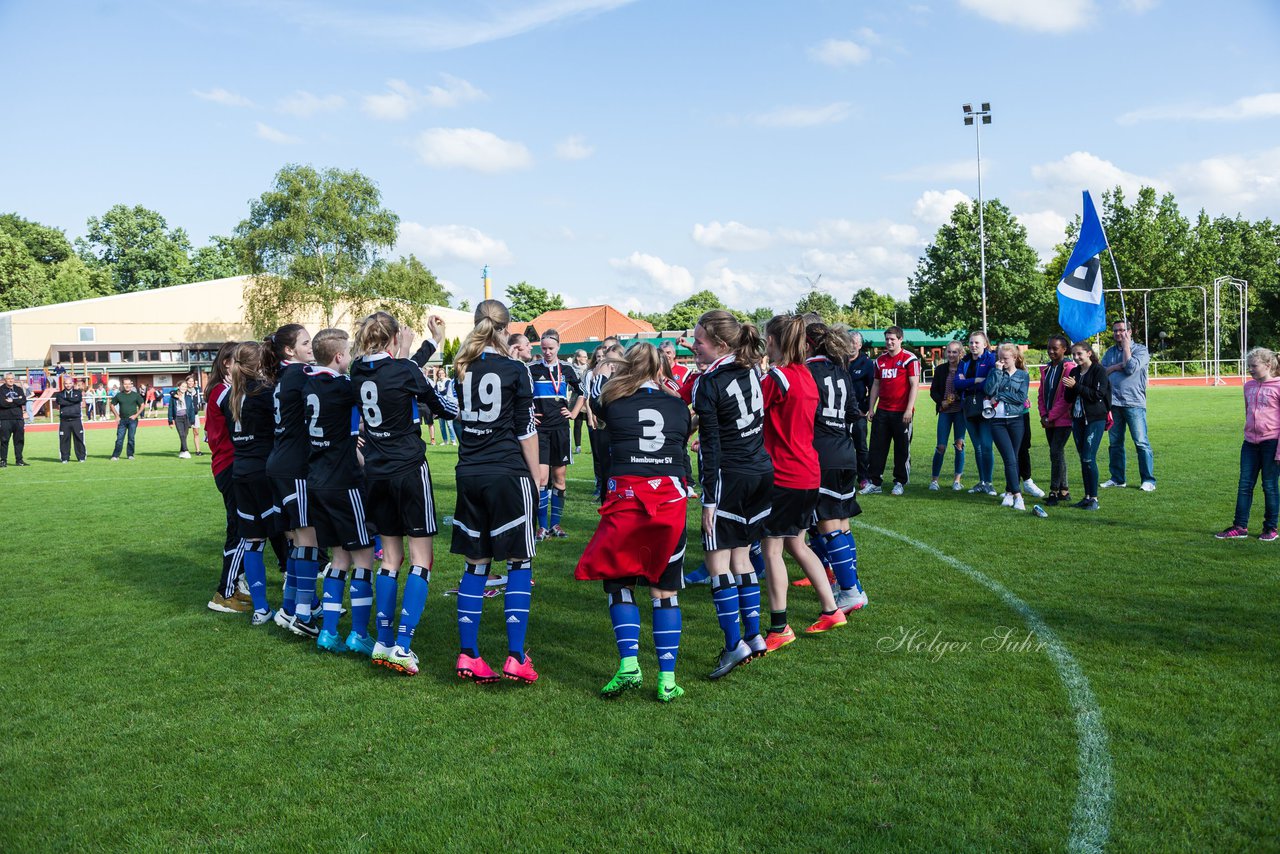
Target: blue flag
(1082, 311)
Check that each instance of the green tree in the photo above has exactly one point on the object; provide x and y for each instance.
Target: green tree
(874, 309)
(44, 244)
(137, 248)
(946, 290)
(71, 280)
(823, 304)
(760, 316)
(23, 282)
(403, 288)
(526, 301)
(685, 314)
(450, 349)
(221, 259)
(310, 240)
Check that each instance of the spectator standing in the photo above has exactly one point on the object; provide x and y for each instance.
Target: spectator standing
(893, 397)
(127, 405)
(1089, 393)
(70, 403)
(951, 421)
(445, 390)
(13, 417)
(1006, 387)
(196, 396)
(971, 373)
(861, 370)
(1055, 415)
(1258, 453)
(1126, 365)
(180, 413)
(581, 364)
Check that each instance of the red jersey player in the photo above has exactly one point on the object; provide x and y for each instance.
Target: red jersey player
(893, 401)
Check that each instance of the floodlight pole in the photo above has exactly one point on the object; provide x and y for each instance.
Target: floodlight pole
(978, 118)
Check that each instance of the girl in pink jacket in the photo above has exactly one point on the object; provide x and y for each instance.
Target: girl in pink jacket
(1055, 415)
(1258, 453)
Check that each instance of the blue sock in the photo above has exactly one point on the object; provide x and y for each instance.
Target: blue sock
(515, 605)
(749, 603)
(842, 560)
(724, 593)
(667, 623)
(415, 599)
(757, 558)
(289, 603)
(624, 613)
(818, 544)
(335, 584)
(384, 595)
(255, 573)
(699, 575)
(470, 606)
(557, 507)
(544, 504)
(306, 563)
(361, 600)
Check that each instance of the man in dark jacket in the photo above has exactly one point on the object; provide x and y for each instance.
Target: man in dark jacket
(70, 402)
(861, 371)
(13, 416)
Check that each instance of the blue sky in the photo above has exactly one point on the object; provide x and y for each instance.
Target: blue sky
(634, 152)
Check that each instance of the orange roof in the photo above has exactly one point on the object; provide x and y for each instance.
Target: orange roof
(590, 321)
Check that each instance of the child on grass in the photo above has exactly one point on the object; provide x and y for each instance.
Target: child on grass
(1258, 452)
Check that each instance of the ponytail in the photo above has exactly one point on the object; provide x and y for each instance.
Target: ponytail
(218, 373)
(377, 333)
(246, 366)
(491, 318)
(829, 341)
(742, 339)
(642, 363)
(788, 331)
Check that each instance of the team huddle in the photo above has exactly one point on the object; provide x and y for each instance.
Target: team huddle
(317, 448)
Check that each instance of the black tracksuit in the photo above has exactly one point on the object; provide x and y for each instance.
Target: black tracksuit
(70, 423)
(13, 414)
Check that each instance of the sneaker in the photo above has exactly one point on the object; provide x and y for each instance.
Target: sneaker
(228, 606)
(1029, 487)
(64, 462)
(852, 600)
(1235, 532)
(496, 581)
(558, 532)
(1018, 503)
(1090, 504)
(978, 488)
(261, 618)
(540, 535)
(518, 671)
(1052, 500)
(1007, 500)
(113, 459)
(1148, 486)
(802, 582)
(988, 489)
(1109, 483)
(1269, 535)
(360, 644)
(667, 693)
(130, 458)
(622, 681)
(242, 586)
(758, 646)
(184, 456)
(897, 489)
(870, 489)
(329, 642)
(933, 486)
(777, 640)
(401, 660)
(827, 622)
(381, 654)
(475, 668)
(698, 576)
(731, 658)
(956, 486)
(578, 450)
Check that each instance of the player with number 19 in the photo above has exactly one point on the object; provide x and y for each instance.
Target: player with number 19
(401, 500)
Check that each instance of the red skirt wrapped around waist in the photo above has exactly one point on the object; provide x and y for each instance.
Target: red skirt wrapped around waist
(641, 524)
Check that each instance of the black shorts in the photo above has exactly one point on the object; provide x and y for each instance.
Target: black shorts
(404, 506)
(837, 496)
(494, 518)
(553, 446)
(256, 508)
(291, 497)
(790, 512)
(672, 577)
(742, 505)
(339, 518)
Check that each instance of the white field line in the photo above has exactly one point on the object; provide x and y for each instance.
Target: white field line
(1091, 815)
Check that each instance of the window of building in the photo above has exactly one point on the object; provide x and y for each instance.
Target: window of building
(87, 334)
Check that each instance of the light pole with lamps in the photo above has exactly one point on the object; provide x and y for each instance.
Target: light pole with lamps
(978, 118)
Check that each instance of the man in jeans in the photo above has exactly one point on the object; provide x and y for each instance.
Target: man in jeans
(1126, 366)
(893, 397)
(127, 406)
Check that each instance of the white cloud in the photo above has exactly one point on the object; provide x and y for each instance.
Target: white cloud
(955, 170)
(574, 148)
(1264, 106)
(471, 148)
(934, 208)
(1045, 230)
(1081, 170)
(279, 137)
(401, 99)
(731, 236)
(672, 280)
(839, 53)
(1247, 184)
(223, 97)
(452, 243)
(1046, 16)
(843, 232)
(804, 117)
(881, 267)
(306, 104)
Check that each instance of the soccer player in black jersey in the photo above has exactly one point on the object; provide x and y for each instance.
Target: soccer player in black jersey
(736, 475)
(834, 424)
(641, 536)
(289, 349)
(335, 493)
(496, 474)
(519, 348)
(247, 409)
(552, 380)
(401, 502)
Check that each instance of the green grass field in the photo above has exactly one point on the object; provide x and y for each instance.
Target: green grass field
(138, 720)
